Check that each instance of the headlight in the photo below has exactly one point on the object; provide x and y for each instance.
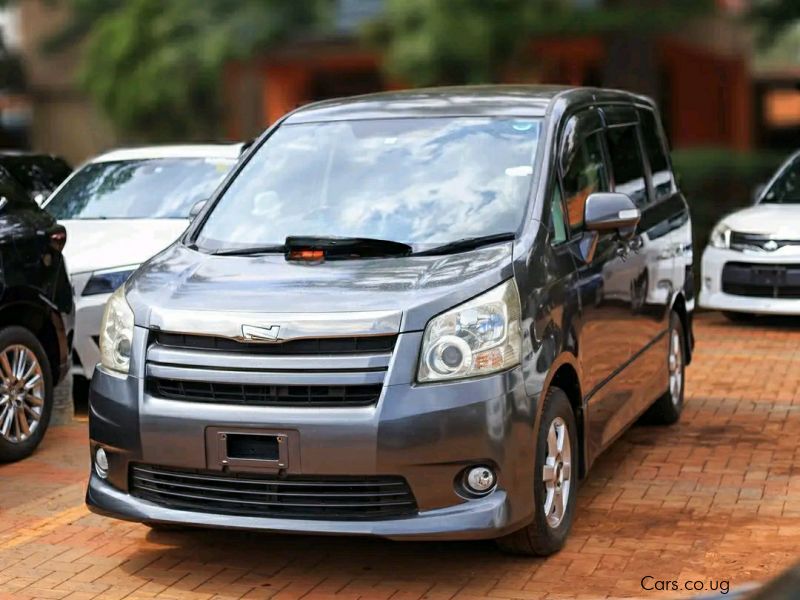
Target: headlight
(721, 236)
(479, 337)
(105, 282)
(116, 333)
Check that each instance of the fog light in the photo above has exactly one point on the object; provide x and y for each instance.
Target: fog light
(480, 480)
(101, 463)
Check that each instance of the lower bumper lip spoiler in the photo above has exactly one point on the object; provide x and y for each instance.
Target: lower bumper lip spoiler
(484, 518)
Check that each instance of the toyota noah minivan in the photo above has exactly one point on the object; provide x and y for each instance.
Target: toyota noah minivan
(416, 315)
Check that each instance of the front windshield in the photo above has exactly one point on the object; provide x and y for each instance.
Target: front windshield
(423, 182)
(786, 189)
(163, 188)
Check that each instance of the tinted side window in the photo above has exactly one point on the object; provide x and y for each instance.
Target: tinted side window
(663, 181)
(584, 174)
(627, 164)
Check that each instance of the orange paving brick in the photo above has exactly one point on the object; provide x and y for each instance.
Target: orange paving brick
(716, 497)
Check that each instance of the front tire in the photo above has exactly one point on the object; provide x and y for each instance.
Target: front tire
(26, 393)
(555, 482)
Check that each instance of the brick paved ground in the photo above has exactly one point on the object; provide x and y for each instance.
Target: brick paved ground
(715, 498)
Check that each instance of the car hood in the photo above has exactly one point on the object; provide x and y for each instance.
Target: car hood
(95, 244)
(781, 221)
(180, 279)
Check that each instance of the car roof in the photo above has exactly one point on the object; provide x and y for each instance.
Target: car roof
(174, 151)
(479, 100)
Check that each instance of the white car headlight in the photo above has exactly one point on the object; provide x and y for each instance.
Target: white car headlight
(116, 333)
(476, 338)
(720, 236)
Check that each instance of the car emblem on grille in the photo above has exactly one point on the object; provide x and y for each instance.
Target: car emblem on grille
(263, 334)
(770, 245)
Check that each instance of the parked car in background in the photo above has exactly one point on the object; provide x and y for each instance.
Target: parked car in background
(37, 174)
(418, 315)
(120, 209)
(752, 262)
(36, 319)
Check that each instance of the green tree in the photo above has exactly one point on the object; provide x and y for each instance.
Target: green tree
(155, 66)
(774, 17)
(433, 42)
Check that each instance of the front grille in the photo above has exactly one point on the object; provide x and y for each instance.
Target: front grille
(761, 280)
(308, 346)
(270, 496)
(265, 395)
(755, 241)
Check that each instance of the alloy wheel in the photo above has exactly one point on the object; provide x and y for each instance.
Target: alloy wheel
(556, 472)
(22, 393)
(675, 367)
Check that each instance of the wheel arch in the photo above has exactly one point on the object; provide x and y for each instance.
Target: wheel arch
(679, 308)
(564, 374)
(41, 321)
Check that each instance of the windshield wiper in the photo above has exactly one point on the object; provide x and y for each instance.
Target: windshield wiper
(347, 247)
(466, 244)
(274, 249)
(331, 247)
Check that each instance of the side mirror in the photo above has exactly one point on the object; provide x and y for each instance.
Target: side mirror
(196, 208)
(757, 191)
(606, 211)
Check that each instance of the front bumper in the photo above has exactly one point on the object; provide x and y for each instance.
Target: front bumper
(426, 434)
(713, 297)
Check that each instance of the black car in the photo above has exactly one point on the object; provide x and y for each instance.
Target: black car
(37, 174)
(36, 319)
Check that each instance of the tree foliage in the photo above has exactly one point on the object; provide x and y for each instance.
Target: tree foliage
(774, 17)
(155, 66)
(429, 42)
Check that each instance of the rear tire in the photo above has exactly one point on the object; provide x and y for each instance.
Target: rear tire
(739, 317)
(26, 393)
(555, 482)
(667, 409)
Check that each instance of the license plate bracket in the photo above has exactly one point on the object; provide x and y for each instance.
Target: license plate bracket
(252, 450)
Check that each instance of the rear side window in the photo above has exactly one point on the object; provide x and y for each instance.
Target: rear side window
(584, 174)
(627, 163)
(655, 148)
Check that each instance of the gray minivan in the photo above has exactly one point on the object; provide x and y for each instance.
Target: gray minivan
(417, 315)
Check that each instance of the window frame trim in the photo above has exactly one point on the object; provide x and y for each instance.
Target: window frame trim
(600, 129)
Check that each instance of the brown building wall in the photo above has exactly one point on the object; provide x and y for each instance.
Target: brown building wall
(705, 93)
(709, 98)
(64, 120)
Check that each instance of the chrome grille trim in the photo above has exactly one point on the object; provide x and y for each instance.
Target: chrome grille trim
(292, 325)
(758, 241)
(232, 360)
(312, 377)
